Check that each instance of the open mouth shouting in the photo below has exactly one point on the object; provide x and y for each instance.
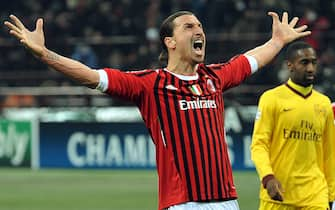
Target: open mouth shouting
(198, 46)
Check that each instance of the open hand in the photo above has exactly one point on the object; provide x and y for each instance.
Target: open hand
(32, 40)
(284, 31)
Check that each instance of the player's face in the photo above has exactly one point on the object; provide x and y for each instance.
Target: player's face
(190, 39)
(303, 67)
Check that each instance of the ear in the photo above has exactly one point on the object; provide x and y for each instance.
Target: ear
(289, 66)
(170, 42)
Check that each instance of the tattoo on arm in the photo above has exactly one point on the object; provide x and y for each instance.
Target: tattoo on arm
(52, 56)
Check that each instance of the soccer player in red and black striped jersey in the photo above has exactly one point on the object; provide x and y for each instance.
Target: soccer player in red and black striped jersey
(181, 104)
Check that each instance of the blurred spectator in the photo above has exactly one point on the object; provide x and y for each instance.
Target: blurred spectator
(85, 54)
(123, 33)
(19, 101)
(327, 80)
(318, 24)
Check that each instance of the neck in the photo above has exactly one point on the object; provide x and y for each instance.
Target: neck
(301, 89)
(182, 68)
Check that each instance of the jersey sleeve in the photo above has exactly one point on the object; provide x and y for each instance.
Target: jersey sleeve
(129, 86)
(329, 154)
(233, 72)
(262, 134)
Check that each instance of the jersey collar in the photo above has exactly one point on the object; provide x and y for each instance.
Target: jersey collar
(303, 91)
(184, 77)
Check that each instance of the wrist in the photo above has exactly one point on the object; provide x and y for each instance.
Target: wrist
(43, 54)
(277, 44)
(266, 179)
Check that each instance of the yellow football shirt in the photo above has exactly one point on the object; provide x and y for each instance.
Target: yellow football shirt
(293, 139)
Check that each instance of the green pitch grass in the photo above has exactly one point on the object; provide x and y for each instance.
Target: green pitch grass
(25, 189)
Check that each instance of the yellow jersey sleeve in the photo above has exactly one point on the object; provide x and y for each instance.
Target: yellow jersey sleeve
(262, 135)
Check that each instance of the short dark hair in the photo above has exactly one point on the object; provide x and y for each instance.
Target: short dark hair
(166, 30)
(292, 49)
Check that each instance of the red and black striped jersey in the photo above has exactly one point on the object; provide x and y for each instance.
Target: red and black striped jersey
(185, 119)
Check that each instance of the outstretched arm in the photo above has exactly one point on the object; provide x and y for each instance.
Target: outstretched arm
(34, 41)
(283, 32)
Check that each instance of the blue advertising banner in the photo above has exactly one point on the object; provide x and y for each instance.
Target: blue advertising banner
(124, 145)
(96, 145)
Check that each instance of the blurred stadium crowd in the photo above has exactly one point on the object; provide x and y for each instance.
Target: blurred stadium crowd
(125, 34)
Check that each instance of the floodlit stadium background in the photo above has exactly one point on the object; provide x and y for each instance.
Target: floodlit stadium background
(45, 116)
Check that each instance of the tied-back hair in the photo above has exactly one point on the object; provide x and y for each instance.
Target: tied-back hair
(292, 49)
(166, 30)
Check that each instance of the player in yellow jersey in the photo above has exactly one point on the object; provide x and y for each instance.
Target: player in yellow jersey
(293, 142)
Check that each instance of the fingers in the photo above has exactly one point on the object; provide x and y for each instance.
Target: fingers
(277, 197)
(286, 30)
(275, 19)
(302, 32)
(285, 18)
(274, 189)
(275, 193)
(274, 16)
(39, 25)
(301, 28)
(16, 28)
(16, 34)
(11, 26)
(294, 22)
(17, 22)
(305, 33)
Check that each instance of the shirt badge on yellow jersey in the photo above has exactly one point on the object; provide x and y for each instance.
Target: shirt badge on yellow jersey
(320, 110)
